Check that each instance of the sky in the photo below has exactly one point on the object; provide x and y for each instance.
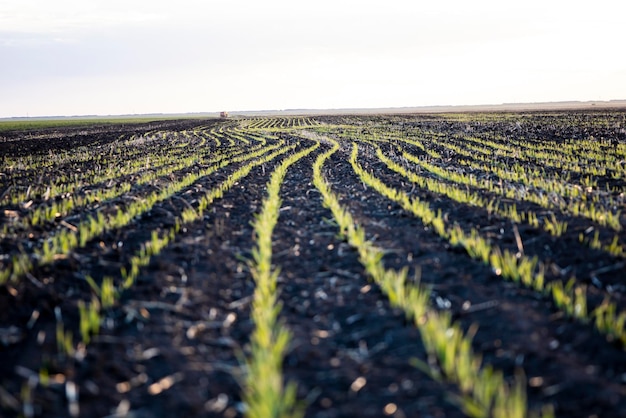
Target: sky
(77, 57)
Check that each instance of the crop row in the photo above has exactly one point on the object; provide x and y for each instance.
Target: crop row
(492, 186)
(568, 297)
(519, 183)
(70, 169)
(73, 236)
(77, 196)
(107, 291)
(405, 164)
(452, 187)
(265, 393)
(484, 391)
(278, 123)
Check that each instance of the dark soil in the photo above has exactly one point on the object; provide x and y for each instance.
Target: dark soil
(172, 345)
(517, 328)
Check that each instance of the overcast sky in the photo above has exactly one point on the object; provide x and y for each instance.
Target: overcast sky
(78, 57)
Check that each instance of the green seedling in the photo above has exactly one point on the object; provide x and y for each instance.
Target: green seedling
(445, 342)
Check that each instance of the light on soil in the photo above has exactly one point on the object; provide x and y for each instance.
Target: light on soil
(390, 409)
(217, 404)
(123, 408)
(123, 387)
(33, 318)
(150, 353)
(358, 384)
(161, 385)
(230, 319)
(321, 333)
(71, 393)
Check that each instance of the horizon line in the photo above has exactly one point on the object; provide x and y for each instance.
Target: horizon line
(512, 106)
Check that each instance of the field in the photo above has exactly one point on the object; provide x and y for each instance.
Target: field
(435, 265)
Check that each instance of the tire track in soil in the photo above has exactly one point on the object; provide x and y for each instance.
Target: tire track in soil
(343, 327)
(580, 371)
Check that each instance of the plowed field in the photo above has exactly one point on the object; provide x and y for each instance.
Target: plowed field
(400, 265)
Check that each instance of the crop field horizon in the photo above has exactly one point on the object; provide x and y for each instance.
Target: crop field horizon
(432, 265)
